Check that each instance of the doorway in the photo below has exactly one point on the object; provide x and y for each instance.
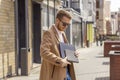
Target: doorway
(36, 7)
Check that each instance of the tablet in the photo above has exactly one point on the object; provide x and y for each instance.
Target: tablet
(63, 46)
(71, 56)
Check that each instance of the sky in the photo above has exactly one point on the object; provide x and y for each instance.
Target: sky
(115, 4)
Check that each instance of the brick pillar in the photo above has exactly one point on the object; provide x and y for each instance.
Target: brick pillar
(108, 47)
(115, 66)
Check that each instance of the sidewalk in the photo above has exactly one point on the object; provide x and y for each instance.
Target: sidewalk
(92, 66)
(34, 74)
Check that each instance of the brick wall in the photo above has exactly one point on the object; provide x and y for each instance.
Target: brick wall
(7, 38)
(115, 67)
(108, 47)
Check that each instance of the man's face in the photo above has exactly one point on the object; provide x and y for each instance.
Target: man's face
(63, 23)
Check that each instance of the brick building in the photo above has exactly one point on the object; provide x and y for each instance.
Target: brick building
(100, 16)
(22, 23)
(7, 38)
(107, 17)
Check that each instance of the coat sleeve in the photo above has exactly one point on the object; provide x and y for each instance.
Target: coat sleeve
(45, 50)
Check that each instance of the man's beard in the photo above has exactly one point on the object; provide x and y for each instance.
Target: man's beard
(59, 28)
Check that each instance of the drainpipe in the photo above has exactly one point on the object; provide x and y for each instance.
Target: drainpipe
(16, 38)
(48, 12)
(81, 33)
(87, 37)
(26, 25)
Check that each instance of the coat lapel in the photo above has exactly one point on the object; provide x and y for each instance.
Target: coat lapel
(55, 32)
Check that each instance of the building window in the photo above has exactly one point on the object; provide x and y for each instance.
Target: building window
(97, 15)
(97, 3)
(101, 2)
(65, 3)
(75, 4)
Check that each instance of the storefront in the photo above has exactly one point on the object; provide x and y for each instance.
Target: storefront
(74, 32)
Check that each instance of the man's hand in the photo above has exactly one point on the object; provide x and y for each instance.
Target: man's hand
(76, 53)
(65, 62)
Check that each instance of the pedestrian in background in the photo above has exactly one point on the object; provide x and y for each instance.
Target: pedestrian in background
(97, 40)
(54, 67)
(101, 39)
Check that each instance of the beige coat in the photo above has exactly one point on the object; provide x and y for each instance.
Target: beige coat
(51, 61)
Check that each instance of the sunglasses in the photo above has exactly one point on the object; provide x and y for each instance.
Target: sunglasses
(64, 23)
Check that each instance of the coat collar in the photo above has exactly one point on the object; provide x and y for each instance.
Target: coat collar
(57, 36)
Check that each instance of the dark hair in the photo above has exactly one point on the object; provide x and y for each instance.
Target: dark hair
(62, 13)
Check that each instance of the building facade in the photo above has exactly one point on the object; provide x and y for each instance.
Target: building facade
(107, 17)
(7, 38)
(100, 14)
(114, 23)
(88, 14)
(22, 23)
(74, 32)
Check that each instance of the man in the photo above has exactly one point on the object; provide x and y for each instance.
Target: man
(54, 67)
(101, 39)
(97, 40)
